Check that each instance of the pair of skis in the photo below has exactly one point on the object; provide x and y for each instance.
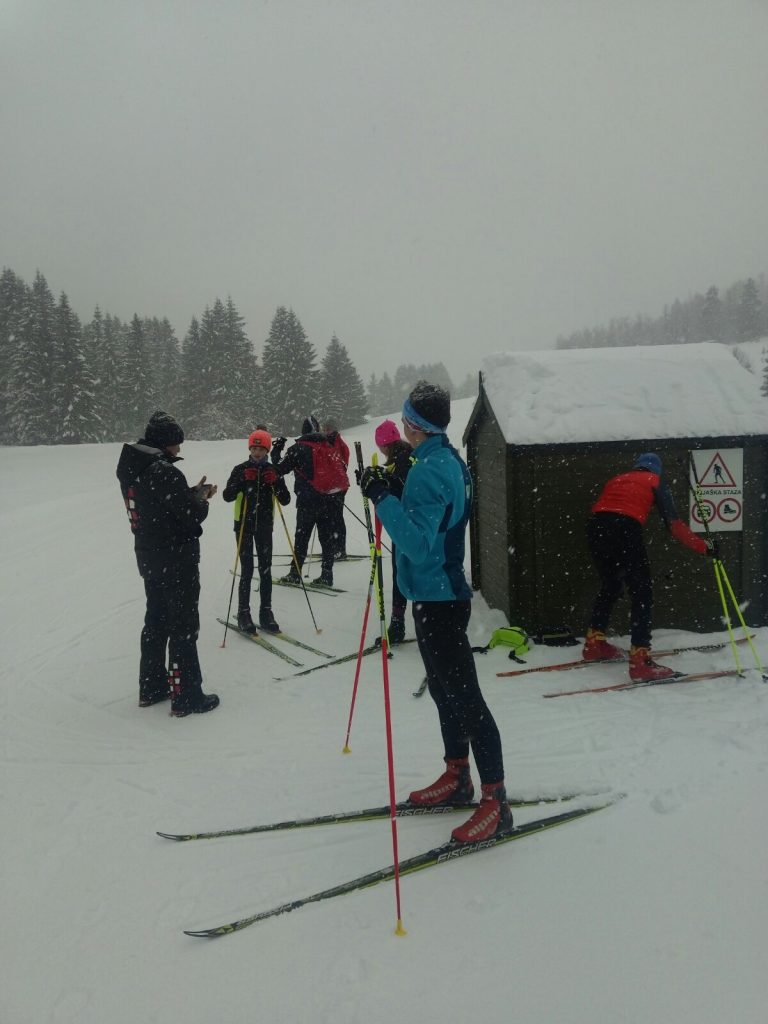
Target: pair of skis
(314, 559)
(352, 656)
(313, 588)
(678, 677)
(564, 666)
(267, 645)
(429, 858)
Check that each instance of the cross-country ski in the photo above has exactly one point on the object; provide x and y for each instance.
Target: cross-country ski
(402, 810)
(442, 854)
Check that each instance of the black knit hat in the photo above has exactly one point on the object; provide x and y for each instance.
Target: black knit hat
(432, 402)
(163, 430)
(310, 426)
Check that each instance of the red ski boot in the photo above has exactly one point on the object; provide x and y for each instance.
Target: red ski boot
(492, 816)
(642, 669)
(597, 648)
(453, 787)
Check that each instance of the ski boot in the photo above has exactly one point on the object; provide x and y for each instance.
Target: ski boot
(325, 579)
(453, 787)
(597, 648)
(245, 622)
(492, 816)
(396, 631)
(292, 578)
(643, 669)
(149, 697)
(267, 621)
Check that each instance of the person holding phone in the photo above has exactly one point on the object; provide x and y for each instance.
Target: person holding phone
(166, 517)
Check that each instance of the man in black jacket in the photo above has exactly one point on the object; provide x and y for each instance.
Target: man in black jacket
(165, 516)
(318, 475)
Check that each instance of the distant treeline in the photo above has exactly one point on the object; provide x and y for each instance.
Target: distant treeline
(739, 314)
(67, 382)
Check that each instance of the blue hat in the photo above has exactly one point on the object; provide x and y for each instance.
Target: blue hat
(649, 460)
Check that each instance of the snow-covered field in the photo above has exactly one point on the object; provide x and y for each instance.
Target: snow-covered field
(655, 910)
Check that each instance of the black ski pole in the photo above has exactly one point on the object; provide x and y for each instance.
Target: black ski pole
(357, 517)
(298, 569)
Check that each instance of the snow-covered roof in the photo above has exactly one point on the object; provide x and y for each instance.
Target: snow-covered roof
(618, 394)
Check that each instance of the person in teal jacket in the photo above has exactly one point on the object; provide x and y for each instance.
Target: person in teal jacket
(428, 524)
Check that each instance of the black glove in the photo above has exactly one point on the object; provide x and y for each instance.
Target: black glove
(373, 483)
(277, 448)
(713, 547)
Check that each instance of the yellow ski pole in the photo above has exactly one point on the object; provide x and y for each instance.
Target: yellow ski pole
(724, 577)
(243, 512)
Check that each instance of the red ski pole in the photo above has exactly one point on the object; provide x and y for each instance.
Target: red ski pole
(346, 749)
(399, 930)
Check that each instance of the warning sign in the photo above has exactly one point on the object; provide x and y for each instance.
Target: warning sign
(719, 493)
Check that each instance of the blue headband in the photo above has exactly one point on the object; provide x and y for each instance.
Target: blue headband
(410, 414)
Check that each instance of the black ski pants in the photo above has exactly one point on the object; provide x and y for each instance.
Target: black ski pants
(315, 510)
(465, 719)
(171, 622)
(261, 541)
(618, 550)
(339, 527)
(399, 600)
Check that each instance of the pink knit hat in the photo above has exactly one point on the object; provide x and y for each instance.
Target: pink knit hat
(386, 433)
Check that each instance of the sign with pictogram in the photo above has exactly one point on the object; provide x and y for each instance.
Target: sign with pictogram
(720, 490)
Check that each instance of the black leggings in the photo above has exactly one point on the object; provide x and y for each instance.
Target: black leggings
(618, 551)
(263, 544)
(316, 510)
(399, 600)
(465, 720)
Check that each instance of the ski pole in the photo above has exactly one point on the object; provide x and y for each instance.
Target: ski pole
(298, 570)
(375, 545)
(311, 551)
(721, 577)
(243, 512)
(399, 929)
(346, 748)
(357, 517)
(371, 546)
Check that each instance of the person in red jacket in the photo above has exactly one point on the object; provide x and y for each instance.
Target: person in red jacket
(615, 537)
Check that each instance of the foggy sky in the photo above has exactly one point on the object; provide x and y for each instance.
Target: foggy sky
(428, 179)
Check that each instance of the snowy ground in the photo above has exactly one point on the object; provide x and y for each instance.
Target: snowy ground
(654, 910)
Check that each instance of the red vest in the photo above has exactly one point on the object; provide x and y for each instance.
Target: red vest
(629, 494)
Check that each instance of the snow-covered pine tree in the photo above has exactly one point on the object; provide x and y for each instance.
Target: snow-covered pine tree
(341, 394)
(712, 325)
(103, 360)
(748, 316)
(135, 386)
(244, 386)
(204, 392)
(288, 374)
(390, 397)
(30, 405)
(74, 399)
(13, 299)
(372, 395)
(164, 357)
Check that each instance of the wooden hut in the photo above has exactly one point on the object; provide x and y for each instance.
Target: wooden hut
(549, 428)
